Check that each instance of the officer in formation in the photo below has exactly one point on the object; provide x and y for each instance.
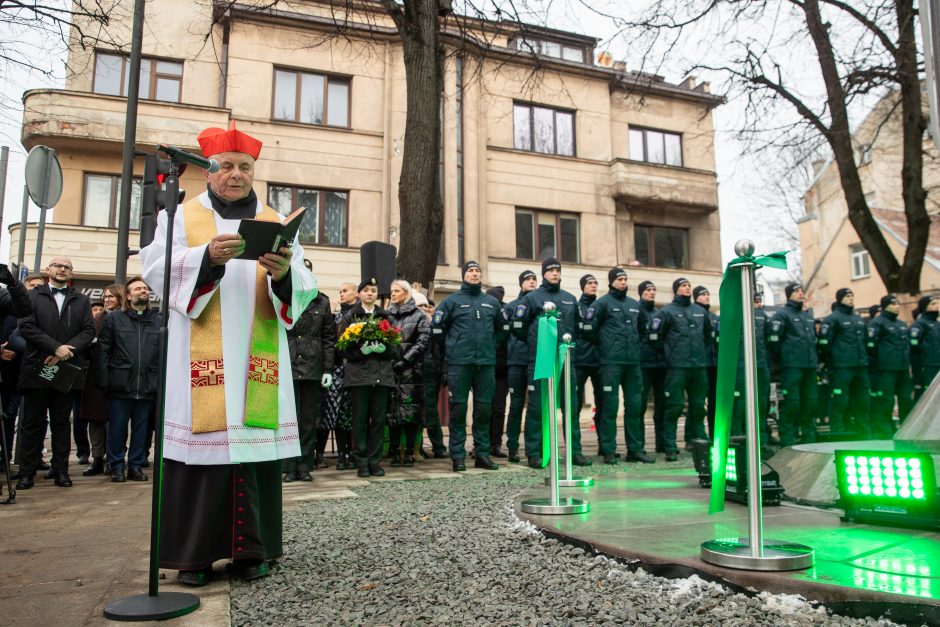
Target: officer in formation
(517, 363)
(792, 339)
(761, 324)
(842, 347)
(702, 298)
(469, 324)
(652, 365)
(889, 346)
(683, 333)
(617, 324)
(526, 314)
(925, 344)
(585, 354)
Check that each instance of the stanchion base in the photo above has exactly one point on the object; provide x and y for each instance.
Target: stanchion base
(565, 506)
(574, 482)
(143, 607)
(778, 555)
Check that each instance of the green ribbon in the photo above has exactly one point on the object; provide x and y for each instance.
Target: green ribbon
(549, 359)
(732, 324)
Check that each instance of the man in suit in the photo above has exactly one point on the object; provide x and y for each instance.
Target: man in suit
(58, 329)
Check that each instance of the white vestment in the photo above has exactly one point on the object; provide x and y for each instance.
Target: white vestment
(238, 443)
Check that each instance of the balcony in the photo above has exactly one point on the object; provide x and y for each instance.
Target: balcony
(64, 118)
(653, 185)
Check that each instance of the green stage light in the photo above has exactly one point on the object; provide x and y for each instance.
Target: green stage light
(736, 476)
(888, 487)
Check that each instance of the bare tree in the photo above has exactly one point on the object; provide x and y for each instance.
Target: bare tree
(814, 63)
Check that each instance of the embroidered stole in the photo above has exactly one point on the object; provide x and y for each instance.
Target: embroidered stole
(207, 367)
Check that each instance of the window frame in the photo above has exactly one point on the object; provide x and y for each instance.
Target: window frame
(536, 46)
(647, 129)
(321, 209)
(555, 111)
(153, 75)
(858, 255)
(327, 78)
(651, 245)
(115, 201)
(558, 216)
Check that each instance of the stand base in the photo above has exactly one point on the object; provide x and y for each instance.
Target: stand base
(778, 555)
(565, 506)
(574, 482)
(143, 607)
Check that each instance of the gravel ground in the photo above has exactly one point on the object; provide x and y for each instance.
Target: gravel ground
(451, 551)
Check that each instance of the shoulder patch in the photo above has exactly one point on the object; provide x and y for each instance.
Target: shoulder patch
(872, 331)
(438, 316)
(776, 326)
(824, 328)
(589, 314)
(915, 331)
(505, 315)
(520, 311)
(656, 323)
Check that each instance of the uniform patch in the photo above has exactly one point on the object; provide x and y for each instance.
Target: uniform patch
(516, 325)
(776, 326)
(520, 311)
(589, 314)
(872, 332)
(608, 388)
(587, 327)
(486, 305)
(824, 329)
(438, 317)
(915, 332)
(505, 315)
(655, 324)
(531, 388)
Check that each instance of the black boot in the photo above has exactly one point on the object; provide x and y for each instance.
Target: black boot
(96, 468)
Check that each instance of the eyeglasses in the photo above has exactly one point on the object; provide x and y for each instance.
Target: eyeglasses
(60, 266)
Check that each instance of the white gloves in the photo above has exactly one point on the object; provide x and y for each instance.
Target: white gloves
(326, 381)
(366, 348)
(372, 347)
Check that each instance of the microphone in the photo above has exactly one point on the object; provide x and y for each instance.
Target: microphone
(209, 165)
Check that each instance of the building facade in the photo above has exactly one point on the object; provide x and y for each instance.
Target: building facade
(544, 151)
(833, 256)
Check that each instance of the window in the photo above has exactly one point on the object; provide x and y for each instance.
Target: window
(540, 129)
(327, 211)
(655, 146)
(541, 234)
(103, 200)
(311, 98)
(159, 79)
(859, 257)
(661, 246)
(551, 49)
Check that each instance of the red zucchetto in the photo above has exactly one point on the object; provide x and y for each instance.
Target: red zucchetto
(214, 140)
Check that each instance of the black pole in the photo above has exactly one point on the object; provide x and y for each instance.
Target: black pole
(130, 137)
(154, 605)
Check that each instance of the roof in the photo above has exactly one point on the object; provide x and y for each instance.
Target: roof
(895, 224)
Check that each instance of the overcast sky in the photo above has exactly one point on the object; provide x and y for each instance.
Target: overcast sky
(735, 175)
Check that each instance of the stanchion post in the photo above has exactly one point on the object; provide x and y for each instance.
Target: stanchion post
(570, 481)
(553, 445)
(753, 552)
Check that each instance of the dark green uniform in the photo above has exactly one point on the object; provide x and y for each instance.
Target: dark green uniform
(889, 345)
(842, 346)
(617, 320)
(761, 322)
(792, 339)
(527, 313)
(682, 331)
(469, 323)
(712, 372)
(517, 363)
(588, 366)
(925, 351)
(654, 376)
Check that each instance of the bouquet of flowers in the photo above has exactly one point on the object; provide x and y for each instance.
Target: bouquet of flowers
(372, 331)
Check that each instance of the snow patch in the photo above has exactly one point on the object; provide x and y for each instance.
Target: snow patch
(787, 604)
(693, 586)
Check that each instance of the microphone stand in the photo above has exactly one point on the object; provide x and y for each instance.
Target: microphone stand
(156, 605)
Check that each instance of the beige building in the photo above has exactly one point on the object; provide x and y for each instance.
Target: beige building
(595, 164)
(833, 256)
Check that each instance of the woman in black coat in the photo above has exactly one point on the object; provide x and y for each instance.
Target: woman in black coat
(369, 378)
(405, 409)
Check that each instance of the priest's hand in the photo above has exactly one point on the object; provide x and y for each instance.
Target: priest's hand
(277, 264)
(225, 247)
(326, 381)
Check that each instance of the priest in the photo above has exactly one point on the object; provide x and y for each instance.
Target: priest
(230, 413)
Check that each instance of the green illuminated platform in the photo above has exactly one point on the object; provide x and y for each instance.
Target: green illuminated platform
(658, 520)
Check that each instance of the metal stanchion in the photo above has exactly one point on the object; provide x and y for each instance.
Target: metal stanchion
(570, 481)
(554, 504)
(753, 552)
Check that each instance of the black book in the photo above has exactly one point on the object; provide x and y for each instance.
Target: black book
(60, 377)
(263, 237)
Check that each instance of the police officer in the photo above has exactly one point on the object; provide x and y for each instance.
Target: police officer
(618, 320)
(527, 312)
(842, 346)
(792, 340)
(470, 323)
(501, 389)
(925, 344)
(763, 378)
(702, 298)
(683, 332)
(889, 346)
(652, 365)
(585, 353)
(517, 362)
